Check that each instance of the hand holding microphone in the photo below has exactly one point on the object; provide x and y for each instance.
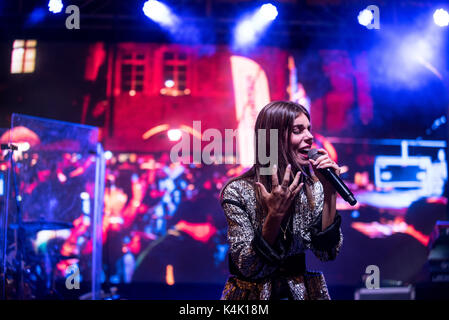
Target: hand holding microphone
(329, 170)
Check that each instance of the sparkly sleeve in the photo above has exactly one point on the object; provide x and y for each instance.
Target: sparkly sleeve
(242, 236)
(325, 244)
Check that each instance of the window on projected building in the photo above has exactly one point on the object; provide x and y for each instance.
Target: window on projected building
(175, 74)
(23, 57)
(132, 73)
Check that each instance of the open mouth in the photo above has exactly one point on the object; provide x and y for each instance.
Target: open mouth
(304, 152)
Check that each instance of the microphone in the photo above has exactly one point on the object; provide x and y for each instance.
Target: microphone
(335, 180)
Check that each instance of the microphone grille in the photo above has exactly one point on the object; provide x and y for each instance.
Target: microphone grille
(313, 154)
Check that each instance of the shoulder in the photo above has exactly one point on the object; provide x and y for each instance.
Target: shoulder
(237, 190)
(238, 193)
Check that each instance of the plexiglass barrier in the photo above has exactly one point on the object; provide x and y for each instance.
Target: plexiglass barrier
(51, 210)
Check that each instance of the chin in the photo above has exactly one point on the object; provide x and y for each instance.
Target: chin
(301, 161)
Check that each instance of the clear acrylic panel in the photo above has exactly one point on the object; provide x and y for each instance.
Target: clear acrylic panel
(52, 210)
(4, 135)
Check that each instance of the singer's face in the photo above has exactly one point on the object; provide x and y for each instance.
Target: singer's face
(301, 139)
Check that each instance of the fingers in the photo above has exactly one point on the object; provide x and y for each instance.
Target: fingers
(286, 189)
(318, 160)
(262, 189)
(336, 168)
(321, 150)
(274, 177)
(325, 162)
(323, 155)
(294, 188)
(298, 188)
(286, 177)
(295, 181)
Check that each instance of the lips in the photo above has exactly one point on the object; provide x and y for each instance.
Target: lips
(304, 152)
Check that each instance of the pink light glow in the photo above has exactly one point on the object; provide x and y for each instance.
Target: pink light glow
(251, 93)
(198, 231)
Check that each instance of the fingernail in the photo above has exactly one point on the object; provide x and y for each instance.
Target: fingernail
(289, 165)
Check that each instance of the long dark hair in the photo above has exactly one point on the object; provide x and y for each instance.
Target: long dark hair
(278, 115)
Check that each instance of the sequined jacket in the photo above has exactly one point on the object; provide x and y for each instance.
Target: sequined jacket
(255, 265)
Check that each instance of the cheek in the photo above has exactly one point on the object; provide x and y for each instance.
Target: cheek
(295, 139)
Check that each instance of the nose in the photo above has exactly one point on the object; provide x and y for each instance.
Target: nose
(309, 136)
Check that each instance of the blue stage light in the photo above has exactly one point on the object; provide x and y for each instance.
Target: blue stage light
(249, 30)
(355, 214)
(415, 50)
(365, 17)
(159, 12)
(441, 18)
(268, 12)
(245, 33)
(55, 6)
(36, 16)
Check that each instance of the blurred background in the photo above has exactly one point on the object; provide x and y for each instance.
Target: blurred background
(141, 76)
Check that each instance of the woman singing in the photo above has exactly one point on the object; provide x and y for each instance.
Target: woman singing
(273, 219)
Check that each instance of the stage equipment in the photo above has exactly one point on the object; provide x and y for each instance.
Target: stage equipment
(388, 293)
(50, 237)
(438, 259)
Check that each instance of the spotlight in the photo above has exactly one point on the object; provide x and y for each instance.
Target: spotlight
(160, 13)
(108, 155)
(268, 12)
(409, 56)
(245, 33)
(249, 30)
(416, 50)
(365, 17)
(174, 134)
(441, 18)
(55, 6)
(370, 17)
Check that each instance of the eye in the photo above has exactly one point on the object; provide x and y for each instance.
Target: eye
(297, 130)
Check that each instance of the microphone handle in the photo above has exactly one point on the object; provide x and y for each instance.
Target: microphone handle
(339, 185)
